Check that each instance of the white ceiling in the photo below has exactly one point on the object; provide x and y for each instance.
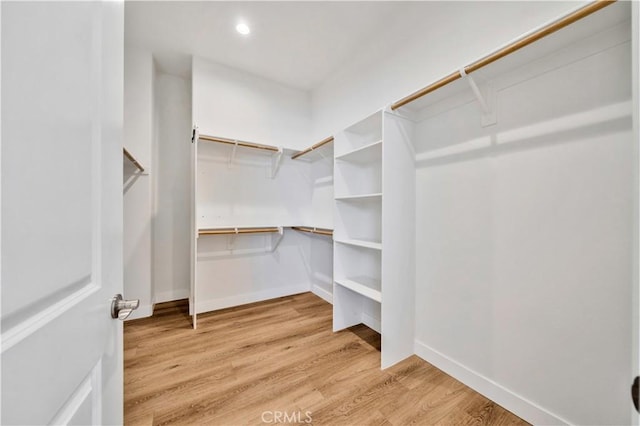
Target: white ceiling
(296, 43)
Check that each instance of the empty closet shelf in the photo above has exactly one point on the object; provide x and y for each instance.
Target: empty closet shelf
(366, 154)
(361, 243)
(365, 286)
(363, 197)
(227, 231)
(311, 230)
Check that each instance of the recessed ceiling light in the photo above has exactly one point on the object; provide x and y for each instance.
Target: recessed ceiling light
(243, 28)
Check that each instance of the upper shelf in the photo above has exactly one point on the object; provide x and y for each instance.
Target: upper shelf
(133, 160)
(320, 150)
(367, 154)
(235, 142)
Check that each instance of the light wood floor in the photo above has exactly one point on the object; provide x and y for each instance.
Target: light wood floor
(245, 364)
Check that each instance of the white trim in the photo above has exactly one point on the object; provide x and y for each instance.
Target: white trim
(322, 293)
(371, 322)
(243, 299)
(142, 312)
(169, 296)
(44, 317)
(511, 401)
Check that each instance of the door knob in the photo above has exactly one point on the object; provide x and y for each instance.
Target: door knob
(121, 308)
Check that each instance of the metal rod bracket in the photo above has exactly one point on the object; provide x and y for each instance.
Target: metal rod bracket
(486, 101)
(233, 154)
(276, 161)
(275, 242)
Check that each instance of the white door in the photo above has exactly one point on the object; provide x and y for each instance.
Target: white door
(62, 91)
(635, 54)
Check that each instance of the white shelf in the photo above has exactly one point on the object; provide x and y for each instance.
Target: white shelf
(325, 180)
(364, 286)
(373, 196)
(361, 243)
(367, 154)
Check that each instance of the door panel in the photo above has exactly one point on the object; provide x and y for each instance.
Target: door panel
(62, 78)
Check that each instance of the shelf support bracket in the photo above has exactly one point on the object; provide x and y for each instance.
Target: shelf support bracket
(233, 154)
(232, 239)
(487, 104)
(276, 161)
(278, 239)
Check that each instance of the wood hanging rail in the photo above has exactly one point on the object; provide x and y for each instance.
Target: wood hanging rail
(512, 47)
(223, 231)
(320, 231)
(238, 143)
(312, 147)
(132, 159)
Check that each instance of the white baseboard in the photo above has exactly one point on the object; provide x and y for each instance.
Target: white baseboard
(168, 296)
(371, 322)
(243, 299)
(322, 293)
(142, 312)
(511, 401)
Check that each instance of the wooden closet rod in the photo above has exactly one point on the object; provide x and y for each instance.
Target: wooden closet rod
(222, 231)
(512, 47)
(239, 143)
(312, 147)
(132, 159)
(313, 230)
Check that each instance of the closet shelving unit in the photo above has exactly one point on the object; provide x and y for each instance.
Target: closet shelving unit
(357, 291)
(373, 240)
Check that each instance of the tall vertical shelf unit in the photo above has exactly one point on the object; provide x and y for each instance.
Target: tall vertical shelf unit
(365, 284)
(357, 254)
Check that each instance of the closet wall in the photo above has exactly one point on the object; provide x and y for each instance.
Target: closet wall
(171, 213)
(321, 249)
(428, 40)
(138, 189)
(238, 189)
(157, 128)
(235, 104)
(525, 233)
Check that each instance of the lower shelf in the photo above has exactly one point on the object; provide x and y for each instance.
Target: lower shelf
(361, 243)
(364, 286)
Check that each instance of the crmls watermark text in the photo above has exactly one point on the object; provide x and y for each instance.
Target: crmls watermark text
(286, 417)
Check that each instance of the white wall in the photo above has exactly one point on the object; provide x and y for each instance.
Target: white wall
(427, 41)
(138, 128)
(321, 254)
(523, 279)
(235, 104)
(171, 215)
(524, 241)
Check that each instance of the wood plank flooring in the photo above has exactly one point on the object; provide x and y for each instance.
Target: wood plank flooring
(279, 362)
